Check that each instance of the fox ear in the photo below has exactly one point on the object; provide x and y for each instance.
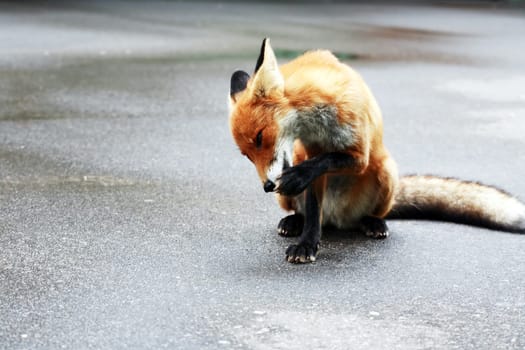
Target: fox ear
(267, 77)
(238, 83)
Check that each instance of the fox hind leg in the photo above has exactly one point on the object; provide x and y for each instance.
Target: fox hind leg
(291, 225)
(374, 227)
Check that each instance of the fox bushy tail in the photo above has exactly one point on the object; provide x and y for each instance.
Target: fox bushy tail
(449, 199)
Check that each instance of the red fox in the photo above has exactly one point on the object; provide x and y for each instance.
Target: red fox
(314, 132)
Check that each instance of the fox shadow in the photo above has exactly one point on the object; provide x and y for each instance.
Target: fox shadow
(348, 245)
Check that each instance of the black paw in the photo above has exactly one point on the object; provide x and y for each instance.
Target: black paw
(374, 227)
(295, 180)
(291, 225)
(301, 253)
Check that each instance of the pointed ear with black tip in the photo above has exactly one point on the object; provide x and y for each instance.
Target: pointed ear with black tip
(267, 78)
(261, 55)
(238, 83)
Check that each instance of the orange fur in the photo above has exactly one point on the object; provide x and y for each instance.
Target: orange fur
(318, 78)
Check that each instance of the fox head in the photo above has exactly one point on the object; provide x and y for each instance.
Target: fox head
(257, 104)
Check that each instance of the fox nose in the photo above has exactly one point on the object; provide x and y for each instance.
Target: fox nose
(269, 186)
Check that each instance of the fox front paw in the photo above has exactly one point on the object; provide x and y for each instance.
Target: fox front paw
(291, 225)
(295, 180)
(301, 253)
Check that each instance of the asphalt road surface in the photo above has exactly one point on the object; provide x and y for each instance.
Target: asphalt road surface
(128, 219)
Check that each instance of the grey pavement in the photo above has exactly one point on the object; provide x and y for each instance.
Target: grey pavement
(128, 219)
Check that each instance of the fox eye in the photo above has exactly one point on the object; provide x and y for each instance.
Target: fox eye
(258, 140)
